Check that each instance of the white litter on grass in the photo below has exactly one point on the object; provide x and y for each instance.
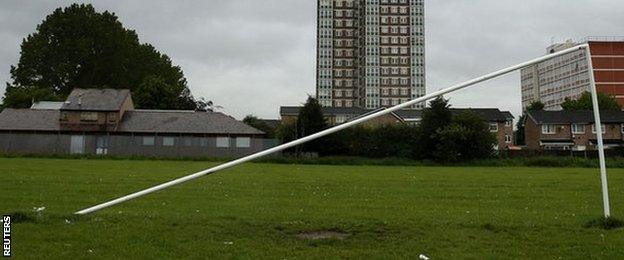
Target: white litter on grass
(423, 257)
(67, 221)
(39, 209)
(228, 243)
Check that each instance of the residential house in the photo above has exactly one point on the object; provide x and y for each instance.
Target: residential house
(572, 130)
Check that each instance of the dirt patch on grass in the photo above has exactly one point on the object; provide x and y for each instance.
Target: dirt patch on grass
(323, 234)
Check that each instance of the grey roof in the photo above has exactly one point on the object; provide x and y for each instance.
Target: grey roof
(578, 117)
(489, 114)
(29, 120)
(47, 105)
(96, 99)
(161, 121)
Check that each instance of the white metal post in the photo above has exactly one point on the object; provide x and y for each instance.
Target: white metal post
(598, 127)
(327, 131)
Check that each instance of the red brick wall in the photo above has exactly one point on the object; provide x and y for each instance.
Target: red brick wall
(607, 58)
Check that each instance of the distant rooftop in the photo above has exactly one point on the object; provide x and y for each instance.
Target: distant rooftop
(96, 99)
(489, 114)
(602, 39)
(47, 105)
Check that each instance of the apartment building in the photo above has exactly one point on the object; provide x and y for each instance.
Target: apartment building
(567, 76)
(572, 130)
(370, 53)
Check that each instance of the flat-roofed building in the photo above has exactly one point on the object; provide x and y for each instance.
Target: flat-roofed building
(566, 76)
(104, 121)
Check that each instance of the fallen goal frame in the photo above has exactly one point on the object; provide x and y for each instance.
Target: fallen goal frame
(592, 87)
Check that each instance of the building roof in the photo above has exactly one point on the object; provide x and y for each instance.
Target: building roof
(577, 117)
(136, 121)
(96, 99)
(190, 122)
(489, 114)
(47, 105)
(29, 119)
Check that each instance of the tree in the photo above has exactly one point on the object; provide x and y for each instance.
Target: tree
(254, 122)
(437, 116)
(79, 47)
(466, 138)
(605, 102)
(519, 134)
(535, 105)
(309, 121)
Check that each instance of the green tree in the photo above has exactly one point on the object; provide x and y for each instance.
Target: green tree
(519, 134)
(255, 122)
(437, 116)
(605, 102)
(466, 138)
(23, 98)
(535, 105)
(309, 121)
(79, 47)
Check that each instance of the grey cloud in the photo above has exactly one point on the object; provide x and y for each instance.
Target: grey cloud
(253, 56)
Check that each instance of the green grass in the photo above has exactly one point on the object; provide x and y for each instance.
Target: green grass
(256, 211)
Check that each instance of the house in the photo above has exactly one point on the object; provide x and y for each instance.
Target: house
(572, 130)
(104, 121)
(500, 122)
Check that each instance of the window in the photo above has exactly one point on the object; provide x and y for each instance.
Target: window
(112, 117)
(168, 141)
(188, 141)
(148, 141)
(578, 128)
(604, 129)
(223, 142)
(243, 142)
(101, 141)
(509, 122)
(341, 119)
(549, 129)
(493, 127)
(203, 141)
(63, 116)
(88, 116)
(508, 139)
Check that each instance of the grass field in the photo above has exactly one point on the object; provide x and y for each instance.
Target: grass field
(257, 211)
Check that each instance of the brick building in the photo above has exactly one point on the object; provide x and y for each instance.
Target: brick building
(572, 130)
(566, 76)
(104, 121)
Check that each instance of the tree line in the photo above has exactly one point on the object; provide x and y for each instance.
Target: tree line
(441, 136)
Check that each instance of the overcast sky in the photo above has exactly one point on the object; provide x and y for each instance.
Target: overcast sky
(252, 56)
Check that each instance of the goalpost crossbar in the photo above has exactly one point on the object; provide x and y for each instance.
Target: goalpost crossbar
(374, 115)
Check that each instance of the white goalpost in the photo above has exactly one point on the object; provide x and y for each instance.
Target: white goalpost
(603, 171)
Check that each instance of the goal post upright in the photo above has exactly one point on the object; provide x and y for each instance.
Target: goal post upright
(598, 127)
(347, 125)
